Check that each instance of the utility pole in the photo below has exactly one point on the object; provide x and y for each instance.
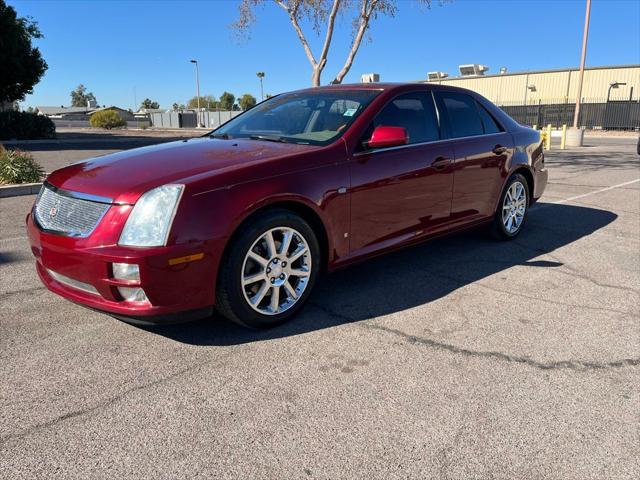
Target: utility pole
(585, 35)
(197, 90)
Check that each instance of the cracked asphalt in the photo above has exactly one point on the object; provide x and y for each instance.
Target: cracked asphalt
(462, 358)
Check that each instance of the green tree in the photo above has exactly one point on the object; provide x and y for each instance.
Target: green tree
(80, 97)
(227, 100)
(247, 101)
(148, 103)
(206, 101)
(21, 65)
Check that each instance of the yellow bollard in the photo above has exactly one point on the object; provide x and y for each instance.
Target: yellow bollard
(548, 146)
(563, 139)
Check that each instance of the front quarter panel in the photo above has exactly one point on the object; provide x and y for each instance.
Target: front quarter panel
(211, 215)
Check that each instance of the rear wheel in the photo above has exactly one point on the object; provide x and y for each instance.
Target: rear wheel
(270, 270)
(512, 209)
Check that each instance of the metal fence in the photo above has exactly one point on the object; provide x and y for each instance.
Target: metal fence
(189, 119)
(594, 114)
(61, 122)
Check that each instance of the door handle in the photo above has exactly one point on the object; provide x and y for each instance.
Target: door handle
(441, 163)
(499, 149)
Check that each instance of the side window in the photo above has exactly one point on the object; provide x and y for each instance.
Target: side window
(413, 111)
(490, 125)
(463, 114)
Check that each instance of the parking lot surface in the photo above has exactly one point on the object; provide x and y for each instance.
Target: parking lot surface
(461, 358)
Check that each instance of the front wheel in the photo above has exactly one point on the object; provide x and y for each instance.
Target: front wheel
(270, 270)
(512, 209)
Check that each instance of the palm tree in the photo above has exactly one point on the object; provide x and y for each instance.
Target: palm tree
(261, 76)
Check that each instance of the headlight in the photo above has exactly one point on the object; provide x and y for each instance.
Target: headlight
(150, 220)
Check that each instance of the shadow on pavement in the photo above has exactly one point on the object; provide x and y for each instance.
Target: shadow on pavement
(412, 277)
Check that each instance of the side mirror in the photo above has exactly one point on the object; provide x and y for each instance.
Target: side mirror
(388, 137)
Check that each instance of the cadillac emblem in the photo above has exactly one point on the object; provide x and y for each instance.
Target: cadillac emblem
(53, 212)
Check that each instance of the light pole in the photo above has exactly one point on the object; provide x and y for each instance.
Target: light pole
(613, 85)
(261, 76)
(585, 36)
(197, 90)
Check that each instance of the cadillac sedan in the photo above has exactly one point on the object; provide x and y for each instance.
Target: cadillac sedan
(246, 218)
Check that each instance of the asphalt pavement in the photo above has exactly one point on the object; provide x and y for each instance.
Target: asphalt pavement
(462, 358)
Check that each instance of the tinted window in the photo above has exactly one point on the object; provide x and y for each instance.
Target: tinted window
(463, 114)
(490, 125)
(413, 111)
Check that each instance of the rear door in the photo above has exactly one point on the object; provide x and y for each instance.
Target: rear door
(482, 147)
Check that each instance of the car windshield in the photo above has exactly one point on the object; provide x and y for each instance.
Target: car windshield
(315, 118)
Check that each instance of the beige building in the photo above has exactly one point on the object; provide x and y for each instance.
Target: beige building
(553, 86)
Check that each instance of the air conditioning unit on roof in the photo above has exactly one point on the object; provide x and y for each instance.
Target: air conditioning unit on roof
(436, 75)
(472, 69)
(370, 78)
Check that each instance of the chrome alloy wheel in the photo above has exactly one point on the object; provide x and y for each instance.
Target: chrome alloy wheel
(276, 271)
(514, 207)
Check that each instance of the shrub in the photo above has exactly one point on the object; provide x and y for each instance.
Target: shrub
(25, 126)
(107, 119)
(17, 166)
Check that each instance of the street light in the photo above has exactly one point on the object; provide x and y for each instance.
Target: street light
(530, 88)
(613, 85)
(585, 36)
(197, 90)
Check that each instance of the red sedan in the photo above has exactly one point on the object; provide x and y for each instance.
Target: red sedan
(245, 219)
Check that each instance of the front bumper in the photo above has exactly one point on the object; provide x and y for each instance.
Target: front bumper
(175, 291)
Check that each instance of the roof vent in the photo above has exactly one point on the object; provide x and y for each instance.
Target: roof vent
(370, 78)
(472, 69)
(436, 75)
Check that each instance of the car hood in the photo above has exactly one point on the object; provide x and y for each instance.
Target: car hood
(124, 176)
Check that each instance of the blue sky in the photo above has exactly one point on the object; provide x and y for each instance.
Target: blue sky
(116, 46)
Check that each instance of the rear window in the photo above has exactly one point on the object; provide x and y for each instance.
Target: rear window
(462, 112)
(489, 124)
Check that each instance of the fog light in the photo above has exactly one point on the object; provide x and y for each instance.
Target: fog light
(126, 271)
(133, 294)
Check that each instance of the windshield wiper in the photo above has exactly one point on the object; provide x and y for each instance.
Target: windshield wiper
(223, 136)
(268, 138)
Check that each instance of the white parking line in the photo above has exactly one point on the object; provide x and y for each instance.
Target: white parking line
(576, 197)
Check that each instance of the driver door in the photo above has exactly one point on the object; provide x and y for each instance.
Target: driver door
(400, 193)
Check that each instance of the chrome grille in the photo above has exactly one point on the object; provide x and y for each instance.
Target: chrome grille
(67, 213)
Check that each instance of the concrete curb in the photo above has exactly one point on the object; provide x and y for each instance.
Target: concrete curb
(7, 191)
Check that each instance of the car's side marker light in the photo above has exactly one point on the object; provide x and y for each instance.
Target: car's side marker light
(188, 258)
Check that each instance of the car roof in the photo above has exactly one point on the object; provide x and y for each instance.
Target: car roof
(381, 86)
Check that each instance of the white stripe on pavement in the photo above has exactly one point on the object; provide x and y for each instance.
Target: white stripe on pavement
(576, 197)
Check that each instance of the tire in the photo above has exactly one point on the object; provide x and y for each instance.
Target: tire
(501, 228)
(251, 273)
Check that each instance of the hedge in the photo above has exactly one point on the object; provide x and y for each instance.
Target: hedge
(25, 126)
